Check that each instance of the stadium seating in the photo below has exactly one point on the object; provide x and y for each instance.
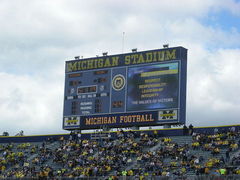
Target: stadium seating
(129, 154)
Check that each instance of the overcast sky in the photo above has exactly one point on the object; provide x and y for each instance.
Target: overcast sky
(38, 36)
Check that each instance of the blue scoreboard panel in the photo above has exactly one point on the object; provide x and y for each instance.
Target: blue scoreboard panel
(135, 89)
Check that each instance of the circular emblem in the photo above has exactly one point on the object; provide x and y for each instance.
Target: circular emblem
(118, 82)
(101, 87)
(72, 90)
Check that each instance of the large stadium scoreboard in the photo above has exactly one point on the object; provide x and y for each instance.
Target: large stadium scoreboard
(145, 88)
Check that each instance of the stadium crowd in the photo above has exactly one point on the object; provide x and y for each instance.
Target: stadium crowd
(130, 153)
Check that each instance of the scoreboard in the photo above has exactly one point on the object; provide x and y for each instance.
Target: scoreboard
(134, 89)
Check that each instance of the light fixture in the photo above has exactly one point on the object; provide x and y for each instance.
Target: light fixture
(76, 57)
(165, 45)
(134, 50)
(105, 53)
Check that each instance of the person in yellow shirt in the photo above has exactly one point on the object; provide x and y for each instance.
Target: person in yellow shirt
(146, 174)
(124, 173)
(206, 170)
(223, 171)
(141, 177)
(215, 151)
(173, 164)
(195, 145)
(130, 172)
(155, 133)
(183, 170)
(237, 171)
(3, 168)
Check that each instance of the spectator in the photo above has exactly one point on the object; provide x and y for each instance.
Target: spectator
(227, 155)
(190, 129)
(185, 130)
(79, 135)
(90, 158)
(5, 133)
(21, 133)
(155, 133)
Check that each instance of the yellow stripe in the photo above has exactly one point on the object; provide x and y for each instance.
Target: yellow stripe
(157, 73)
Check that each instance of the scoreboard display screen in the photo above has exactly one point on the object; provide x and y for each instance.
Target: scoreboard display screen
(136, 89)
(153, 87)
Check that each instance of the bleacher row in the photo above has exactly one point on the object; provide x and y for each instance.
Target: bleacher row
(128, 155)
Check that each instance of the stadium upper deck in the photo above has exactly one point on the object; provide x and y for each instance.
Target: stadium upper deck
(161, 132)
